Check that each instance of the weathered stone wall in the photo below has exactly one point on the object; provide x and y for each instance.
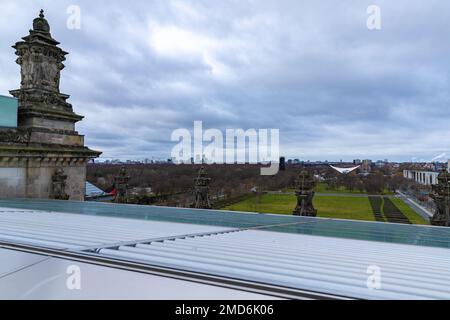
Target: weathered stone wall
(46, 123)
(12, 182)
(39, 178)
(76, 183)
(57, 138)
(33, 178)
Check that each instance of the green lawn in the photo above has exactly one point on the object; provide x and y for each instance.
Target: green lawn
(322, 188)
(338, 207)
(408, 212)
(344, 208)
(268, 203)
(327, 206)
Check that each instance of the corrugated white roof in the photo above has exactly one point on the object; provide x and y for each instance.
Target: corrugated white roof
(71, 231)
(309, 262)
(320, 264)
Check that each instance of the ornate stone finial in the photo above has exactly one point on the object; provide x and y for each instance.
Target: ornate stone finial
(440, 193)
(202, 172)
(41, 62)
(41, 24)
(121, 185)
(305, 193)
(201, 190)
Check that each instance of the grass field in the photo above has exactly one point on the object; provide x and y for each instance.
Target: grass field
(268, 203)
(344, 208)
(338, 207)
(322, 188)
(327, 206)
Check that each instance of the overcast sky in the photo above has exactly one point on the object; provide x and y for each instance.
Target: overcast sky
(137, 70)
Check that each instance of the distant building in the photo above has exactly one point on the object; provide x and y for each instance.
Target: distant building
(366, 166)
(282, 165)
(344, 170)
(422, 177)
(381, 163)
(94, 193)
(8, 112)
(426, 177)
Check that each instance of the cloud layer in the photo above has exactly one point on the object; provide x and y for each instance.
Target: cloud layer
(336, 90)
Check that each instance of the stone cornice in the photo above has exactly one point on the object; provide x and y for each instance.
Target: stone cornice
(49, 114)
(49, 160)
(56, 131)
(21, 135)
(32, 151)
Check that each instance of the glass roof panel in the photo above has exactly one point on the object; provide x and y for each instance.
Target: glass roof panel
(373, 231)
(170, 214)
(350, 229)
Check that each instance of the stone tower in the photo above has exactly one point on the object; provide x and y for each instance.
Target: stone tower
(45, 142)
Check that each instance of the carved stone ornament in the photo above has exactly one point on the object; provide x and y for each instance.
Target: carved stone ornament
(58, 191)
(201, 190)
(14, 136)
(305, 193)
(121, 186)
(441, 195)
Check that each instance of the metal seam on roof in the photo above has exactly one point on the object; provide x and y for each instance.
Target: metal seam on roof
(183, 236)
(150, 240)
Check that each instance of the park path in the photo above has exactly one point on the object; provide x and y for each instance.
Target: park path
(385, 210)
(333, 194)
(355, 195)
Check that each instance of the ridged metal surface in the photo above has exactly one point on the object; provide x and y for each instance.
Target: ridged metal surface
(335, 266)
(334, 228)
(71, 231)
(36, 277)
(314, 263)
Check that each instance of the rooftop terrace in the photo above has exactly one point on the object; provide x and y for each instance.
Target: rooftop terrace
(277, 255)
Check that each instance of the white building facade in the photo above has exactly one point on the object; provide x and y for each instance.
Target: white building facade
(421, 176)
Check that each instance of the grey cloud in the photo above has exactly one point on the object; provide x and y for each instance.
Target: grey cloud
(140, 69)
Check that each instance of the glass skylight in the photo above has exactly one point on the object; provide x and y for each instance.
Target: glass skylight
(350, 229)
